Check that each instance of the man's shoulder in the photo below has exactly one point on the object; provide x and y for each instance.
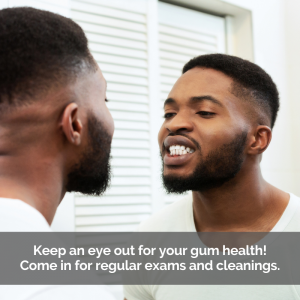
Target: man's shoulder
(293, 223)
(172, 217)
(16, 215)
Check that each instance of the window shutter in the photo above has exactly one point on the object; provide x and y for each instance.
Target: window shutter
(184, 34)
(117, 34)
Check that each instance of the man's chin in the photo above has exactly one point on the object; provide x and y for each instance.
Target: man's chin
(176, 184)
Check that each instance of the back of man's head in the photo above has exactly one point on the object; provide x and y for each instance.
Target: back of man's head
(55, 127)
(39, 50)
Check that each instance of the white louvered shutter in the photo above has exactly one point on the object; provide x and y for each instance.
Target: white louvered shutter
(184, 34)
(117, 35)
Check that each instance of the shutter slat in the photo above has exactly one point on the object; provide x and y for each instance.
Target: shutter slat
(130, 153)
(118, 60)
(133, 89)
(171, 64)
(128, 106)
(134, 80)
(112, 210)
(132, 134)
(170, 72)
(127, 162)
(133, 144)
(132, 171)
(175, 57)
(130, 116)
(92, 28)
(193, 35)
(110, 40)
(195, 44)
(132, 125)
(110, 69)
(115, 50)
(115, 95)
(107, 21)
(131, 180)
(183, 49)
(111, 200)
(109, 220)
(108, 12)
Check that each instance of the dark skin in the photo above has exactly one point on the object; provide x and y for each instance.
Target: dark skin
(41, 142)
(202, 106)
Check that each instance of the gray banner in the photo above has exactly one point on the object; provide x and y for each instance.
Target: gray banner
(150, 258)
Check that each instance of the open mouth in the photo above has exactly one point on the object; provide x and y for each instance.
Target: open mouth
(178, 150)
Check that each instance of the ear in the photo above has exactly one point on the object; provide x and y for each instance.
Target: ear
(71, 124)
(260, 140)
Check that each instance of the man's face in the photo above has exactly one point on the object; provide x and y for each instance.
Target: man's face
(209, 124)
(91, 174)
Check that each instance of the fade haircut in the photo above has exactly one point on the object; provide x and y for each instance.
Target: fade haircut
(39, 50)
(251, 82)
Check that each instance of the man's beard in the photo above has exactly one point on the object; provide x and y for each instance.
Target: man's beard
(220, 166)
(91, 176)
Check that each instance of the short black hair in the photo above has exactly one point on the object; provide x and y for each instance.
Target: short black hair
(249, 80)
(38, 49)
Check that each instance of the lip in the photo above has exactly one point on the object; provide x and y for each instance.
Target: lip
(178, 140)
(170, 160)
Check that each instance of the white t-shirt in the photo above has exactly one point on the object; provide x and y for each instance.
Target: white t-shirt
(178, 217)
(16, 215)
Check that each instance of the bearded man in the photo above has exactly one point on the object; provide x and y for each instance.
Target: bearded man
(218, 122)
(55, 129)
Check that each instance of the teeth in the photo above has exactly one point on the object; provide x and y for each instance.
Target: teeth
(180, 150)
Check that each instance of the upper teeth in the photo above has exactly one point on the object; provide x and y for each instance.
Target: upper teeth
(180, 150)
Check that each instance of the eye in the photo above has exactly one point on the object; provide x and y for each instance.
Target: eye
(205, 114)
(106, 100)
(169, 115)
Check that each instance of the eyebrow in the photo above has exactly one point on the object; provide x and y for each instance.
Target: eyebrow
(169, 101)
(196, 99)
(205, 98)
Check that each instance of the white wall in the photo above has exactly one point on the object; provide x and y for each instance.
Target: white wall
(292, 42)
(270, 52)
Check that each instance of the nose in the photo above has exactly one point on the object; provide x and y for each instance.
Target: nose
(179, 123)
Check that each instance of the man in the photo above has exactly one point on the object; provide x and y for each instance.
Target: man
(218, 121)
(55, 128)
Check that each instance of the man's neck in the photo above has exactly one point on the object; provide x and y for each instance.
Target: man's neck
(246, 203)
(32, 181)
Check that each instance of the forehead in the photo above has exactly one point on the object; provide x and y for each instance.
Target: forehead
(201, 81)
